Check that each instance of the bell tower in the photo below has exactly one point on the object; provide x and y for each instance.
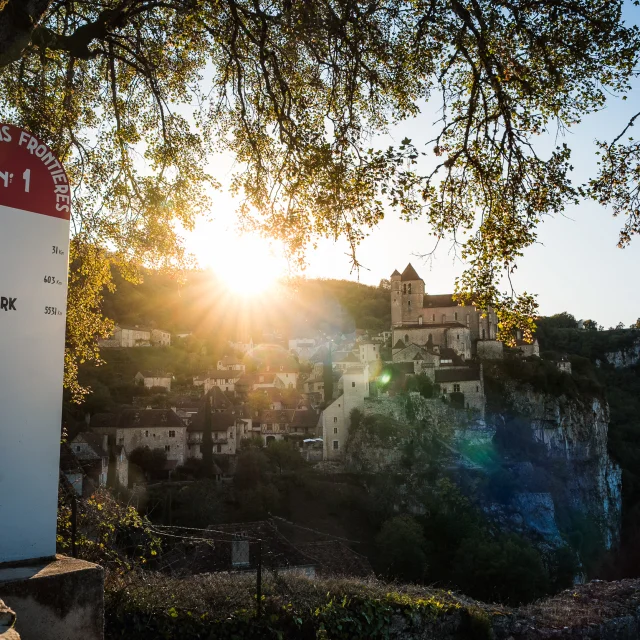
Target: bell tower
(396, 299)
(412, 290)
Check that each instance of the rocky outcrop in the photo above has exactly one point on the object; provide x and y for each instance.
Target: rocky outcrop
(548, 472)
(622, 358)
(565, 441)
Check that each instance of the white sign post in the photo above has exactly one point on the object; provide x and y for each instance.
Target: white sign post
(35, 205)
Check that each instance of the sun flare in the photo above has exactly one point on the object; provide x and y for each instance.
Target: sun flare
(250, 265)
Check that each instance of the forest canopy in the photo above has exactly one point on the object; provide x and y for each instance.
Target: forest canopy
(136, 95)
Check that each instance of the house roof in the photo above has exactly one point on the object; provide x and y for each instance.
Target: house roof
(95, 442)
(68, 461)
(141, 418)
(447, 353)
(399, 345)
(395, 273)
(345, 356)
(457, 375)
(222, 374)
(410, 273)
(154, 374)
(218, 399)
(433, 325)
(230, 360)
(441, 300)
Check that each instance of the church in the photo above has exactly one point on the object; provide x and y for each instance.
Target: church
(437, 322)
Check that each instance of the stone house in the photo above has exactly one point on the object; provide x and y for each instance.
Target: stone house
(231, 363)
(128, 337)
(342, 360)
(223, 432)
(564, 365)
(151, 379)
(286, 424)
(224, 379)
(452, 335)
(160, 338)
(335, 419)
(288, 377)
(465, 380)
(71, 468)
(154, 428)
(369, 351)
(118, 466)
(92, 452)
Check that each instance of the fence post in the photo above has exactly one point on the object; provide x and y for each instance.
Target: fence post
(259, 579)
(74, 525)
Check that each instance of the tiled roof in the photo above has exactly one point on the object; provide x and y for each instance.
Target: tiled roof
(141, 418)
(220, 374)
(345, 356)
(68, 461)
(443, 300)
(395, 273)
(94, 440)
(410, 273)
(433, 325)
(104, 420)
(457, 375)
(155, 374)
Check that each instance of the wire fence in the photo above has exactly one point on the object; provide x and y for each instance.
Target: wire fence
(250, 548)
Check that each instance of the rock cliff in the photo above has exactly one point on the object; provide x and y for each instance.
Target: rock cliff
(627, 357)
(537, 464)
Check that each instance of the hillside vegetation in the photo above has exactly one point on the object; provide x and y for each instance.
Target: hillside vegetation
(197, 302)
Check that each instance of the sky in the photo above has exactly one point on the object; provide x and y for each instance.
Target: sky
(575, 266)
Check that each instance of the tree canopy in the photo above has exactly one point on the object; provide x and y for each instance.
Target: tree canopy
(136, 95)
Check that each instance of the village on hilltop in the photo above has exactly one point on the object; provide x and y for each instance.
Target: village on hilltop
(302, 391)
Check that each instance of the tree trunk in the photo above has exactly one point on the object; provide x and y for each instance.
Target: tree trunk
(18, 19)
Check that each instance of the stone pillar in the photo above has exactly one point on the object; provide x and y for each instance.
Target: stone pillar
(62, 599)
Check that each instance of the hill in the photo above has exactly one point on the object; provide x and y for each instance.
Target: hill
(197, 302)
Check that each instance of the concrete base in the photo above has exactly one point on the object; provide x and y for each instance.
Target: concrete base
(60, 599)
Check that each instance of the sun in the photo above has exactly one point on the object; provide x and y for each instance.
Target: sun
(251, 265)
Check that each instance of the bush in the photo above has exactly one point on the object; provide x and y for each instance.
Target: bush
(400, 549)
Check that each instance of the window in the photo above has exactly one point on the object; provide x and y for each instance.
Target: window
(353, 384)
(409, 288)
(240, 553)
(477, 388)
(172, 434)
(336, 445)
(146, 433)
(433, 317)
(456, 388)
(406, 338)
(458, 337)
(404, 288)
(335, 420)
(164, 417)
(335, 431)
(78, 447)
(409, 304)
(455, 315)
(167, 447)
(420, 320)
(219, 448)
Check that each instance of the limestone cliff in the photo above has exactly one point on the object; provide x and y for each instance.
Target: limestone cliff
(538, 464)
(627, 357)
(560, 444)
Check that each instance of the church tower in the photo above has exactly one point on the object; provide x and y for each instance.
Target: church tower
(396, 299)
(412, 290)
